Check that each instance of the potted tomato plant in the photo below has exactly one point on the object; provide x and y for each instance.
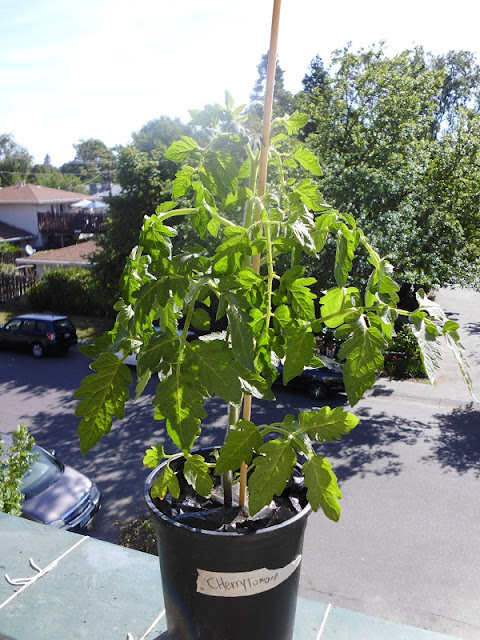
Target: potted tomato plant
(230, 520)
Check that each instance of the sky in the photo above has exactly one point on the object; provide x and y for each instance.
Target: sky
(104, 68)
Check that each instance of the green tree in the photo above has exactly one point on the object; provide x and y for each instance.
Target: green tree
(145, 176)
(283, 100)
(15, 161)
(94, 161)
(379, 125)
(48, 176)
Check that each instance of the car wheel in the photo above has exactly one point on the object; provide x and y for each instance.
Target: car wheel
(317, 390)
(37, 350)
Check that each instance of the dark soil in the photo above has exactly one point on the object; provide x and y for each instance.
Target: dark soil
(212, 514)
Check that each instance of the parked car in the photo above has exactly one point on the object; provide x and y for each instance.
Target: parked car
(56, 494)
(39, 333)
(319, 382)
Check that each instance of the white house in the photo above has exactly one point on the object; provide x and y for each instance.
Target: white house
(48, 214)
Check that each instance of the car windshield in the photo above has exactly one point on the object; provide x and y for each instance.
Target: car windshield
(43, 472)
(65, 323)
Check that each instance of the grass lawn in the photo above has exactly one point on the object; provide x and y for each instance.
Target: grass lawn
(88, 327)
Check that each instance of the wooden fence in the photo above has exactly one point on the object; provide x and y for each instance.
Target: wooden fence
(9, 257)
(12, 286)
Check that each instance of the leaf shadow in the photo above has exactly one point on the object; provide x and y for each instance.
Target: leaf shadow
(457, 447)
(370, 448)
(473, 328)
(374, 446)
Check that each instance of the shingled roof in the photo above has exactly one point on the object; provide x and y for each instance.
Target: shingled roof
(76, 254)
(34, 194)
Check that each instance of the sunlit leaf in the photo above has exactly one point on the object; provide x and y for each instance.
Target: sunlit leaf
(308, 160)
(322, 486)
(179, 150)
(240, 443)
(363, 352)
(197, 474)
(103, 395)
(327, 424)
(154, 456)
(166, 482)
(272, 471)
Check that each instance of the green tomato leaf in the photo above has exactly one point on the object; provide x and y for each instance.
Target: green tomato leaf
(166, 481)
(294, 122)
(304, 236)
(231, 253)
(201, 319)
(273, 469)
(242, 337)
(240, 443)
(302, 298)
(430, 349)
(183, 181)
(104, 395)
(308, 160)
(363, 352)
(322, 486)
(337, 304)
(216, 368)
(298, 354)
(309, 194)
(450, 326)
(154, 456)
(197, 474)
(344, 256)
(181, 149)
(180, 401)
(327, 424)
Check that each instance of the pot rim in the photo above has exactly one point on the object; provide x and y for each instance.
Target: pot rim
(304, 513)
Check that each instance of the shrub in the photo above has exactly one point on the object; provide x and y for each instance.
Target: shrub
(8, 247)
(67, 290)
(403, 359)
(18, 459)
(9, 269)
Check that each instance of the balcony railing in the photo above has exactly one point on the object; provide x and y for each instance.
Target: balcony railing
(72, 222)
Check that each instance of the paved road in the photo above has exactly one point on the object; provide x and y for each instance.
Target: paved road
(407, 546)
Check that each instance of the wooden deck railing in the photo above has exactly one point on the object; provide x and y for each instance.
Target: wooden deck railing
(72, 222)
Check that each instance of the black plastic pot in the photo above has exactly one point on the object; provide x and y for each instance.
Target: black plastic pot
(228, 586)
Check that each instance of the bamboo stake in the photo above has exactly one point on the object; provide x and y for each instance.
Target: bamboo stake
(262, 182)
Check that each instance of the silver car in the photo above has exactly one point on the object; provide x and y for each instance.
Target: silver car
(56, 494)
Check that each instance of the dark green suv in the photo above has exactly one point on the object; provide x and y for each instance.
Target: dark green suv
(39, 333)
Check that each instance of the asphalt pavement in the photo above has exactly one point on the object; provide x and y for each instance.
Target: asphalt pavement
(407, 546)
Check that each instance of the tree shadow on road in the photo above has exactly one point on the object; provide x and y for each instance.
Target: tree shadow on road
(457, 448)
(472, 327)
(374, 446)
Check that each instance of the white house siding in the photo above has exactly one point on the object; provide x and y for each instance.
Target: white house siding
(23, 216)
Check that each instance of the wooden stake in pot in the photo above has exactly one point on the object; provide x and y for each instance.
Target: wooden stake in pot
(262, 181)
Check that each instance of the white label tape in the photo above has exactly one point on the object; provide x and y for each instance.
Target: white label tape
(244, 583)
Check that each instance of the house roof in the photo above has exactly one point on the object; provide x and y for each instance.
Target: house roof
(74, 254)
(25, 193)
(9, 232)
